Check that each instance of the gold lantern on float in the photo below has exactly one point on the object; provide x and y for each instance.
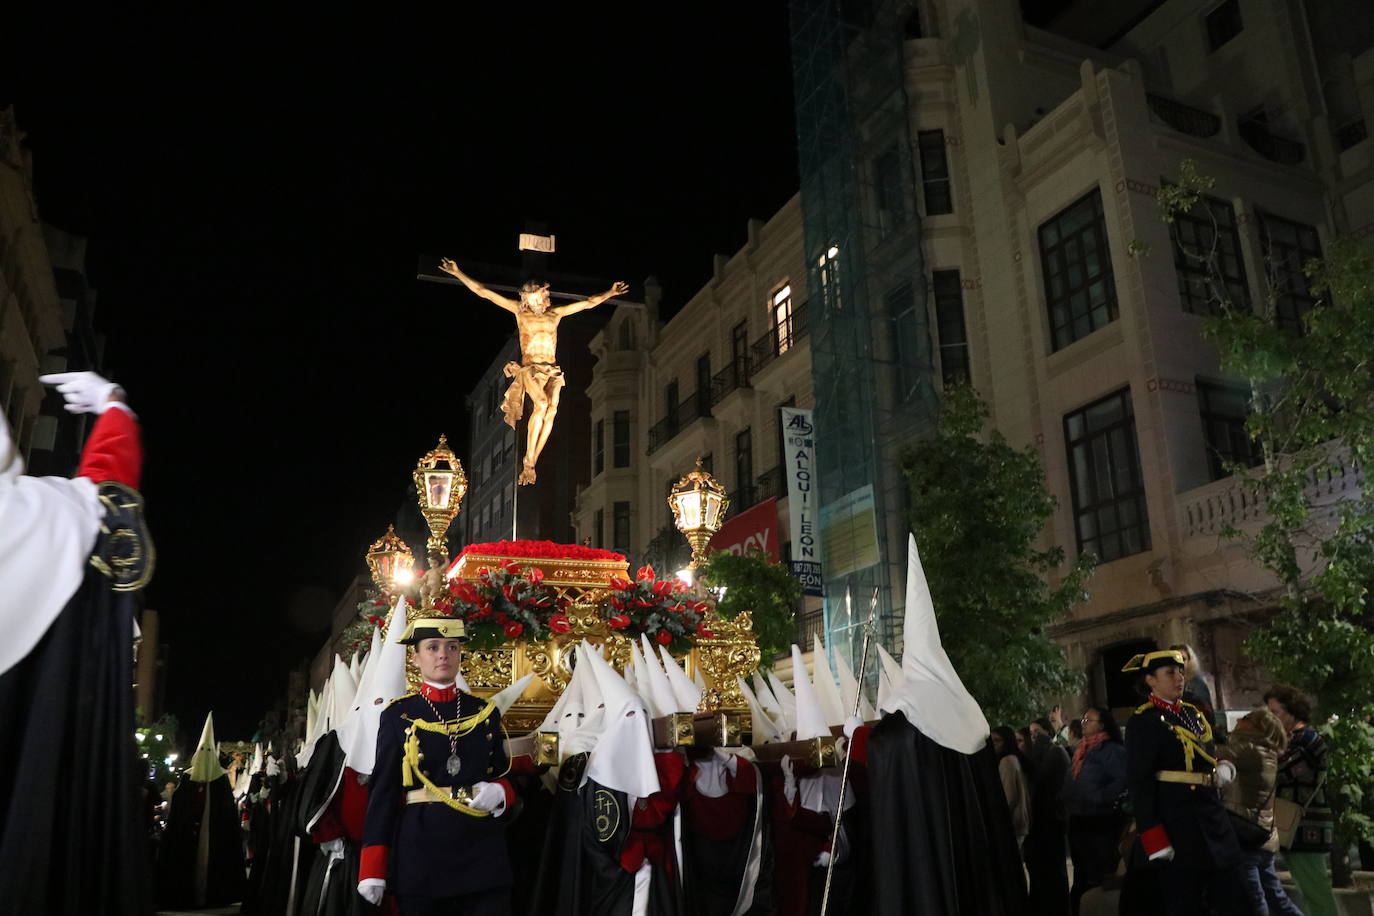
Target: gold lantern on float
(390, 562)
(441, 485)
(699, 504)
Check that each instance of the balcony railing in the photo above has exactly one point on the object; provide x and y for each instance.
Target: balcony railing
(1184, 118)
(735, 375)
(1272, 147)
(1229, 503)
(770, 484)
(1349, 134)
(779, 339)
(688, 410)
(808, 625)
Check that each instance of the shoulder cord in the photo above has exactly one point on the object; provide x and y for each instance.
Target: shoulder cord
(410, 759)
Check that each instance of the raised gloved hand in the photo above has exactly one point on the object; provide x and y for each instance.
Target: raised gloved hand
(789, 780)
(84, 392)
(1226, 773)
(488, 796)
(851, 725)
(1166, 854)
(372, 890)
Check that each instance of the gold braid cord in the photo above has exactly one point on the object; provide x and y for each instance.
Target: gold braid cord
(1192, 742)
(410, 758)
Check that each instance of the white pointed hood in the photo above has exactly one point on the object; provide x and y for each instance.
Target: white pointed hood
(355, 669)
(205, 762)
(551, 720)
(765, 729)
(786, 701)
(850, 691)
(383, 681)
(665, 700)
(372, 652)
(642, 681)
(506, 698)
(827, 691)
(932, 696)
(574, 710)
(698, 680)
(623, 758)
(341, 704)
(810, 719)
(890, 680)
(687, 694)
(764, 694)
(322, 725)
(312, 710)
(592, 700)
(48, 526)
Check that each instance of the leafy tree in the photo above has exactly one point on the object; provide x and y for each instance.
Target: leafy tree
(766, 589)
(157, 747)
(1311, 411)
(979, 507)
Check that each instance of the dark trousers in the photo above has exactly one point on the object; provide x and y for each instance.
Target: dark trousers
(1049, 879)
(1259, 882)
(1093, 843)
(1195, 891)
(486, 903)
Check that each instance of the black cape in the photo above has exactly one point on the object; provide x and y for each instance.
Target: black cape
(177, 861)
(941, 822)
(72, 818)
(579, 867)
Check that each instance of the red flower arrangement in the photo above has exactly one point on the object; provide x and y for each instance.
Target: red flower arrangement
(659, 609)
(541, 550)
(505, 603)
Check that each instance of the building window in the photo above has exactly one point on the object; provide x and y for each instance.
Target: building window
(780, 312)
(620, 527)
(1199, 235)
(1223, 24)
(906, 340)
(1079, 286)
(599, 448)
(889, 192)
(1224, 409)
(744, 466)
(949, 322)
(599, 524)
(620, 439)
(935, 187)
(704, 385)
(739, 354)
(1288, 246)
(1104, 476)
(828, 267)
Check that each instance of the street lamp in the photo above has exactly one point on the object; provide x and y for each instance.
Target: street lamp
(441, 491)
(389, 560)
(698, 505)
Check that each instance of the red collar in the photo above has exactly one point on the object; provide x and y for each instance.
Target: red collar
(1175, 708)
(438, 694)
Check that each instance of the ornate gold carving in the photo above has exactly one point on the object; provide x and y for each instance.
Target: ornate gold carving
(546, 749)
(729, 654)
(493, 670)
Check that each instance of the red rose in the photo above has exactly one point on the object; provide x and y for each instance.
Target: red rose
(534, 575)
(443, 607)
(663, 589)
(703, 632)
(509, 592)
(619, 584)
(514, 628)
(664, 637)
(618, 621)
(645, 574)
(679, 586)
(559, 623)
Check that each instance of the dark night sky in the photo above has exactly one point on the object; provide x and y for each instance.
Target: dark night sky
(257, 191)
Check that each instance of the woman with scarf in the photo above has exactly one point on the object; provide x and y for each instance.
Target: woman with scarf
(1097, 777)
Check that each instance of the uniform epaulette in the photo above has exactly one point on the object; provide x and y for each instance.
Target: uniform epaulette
(404, 696)
(1143, 707)
(1190, 706)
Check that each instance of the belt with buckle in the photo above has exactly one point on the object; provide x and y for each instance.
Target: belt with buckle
(421, 796)
(1195, 779)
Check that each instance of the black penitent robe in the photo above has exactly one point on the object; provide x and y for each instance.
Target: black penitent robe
(177, 861)
(941, 821)
(525, 835)
(288, 857)
(579, 869)
(72, 837)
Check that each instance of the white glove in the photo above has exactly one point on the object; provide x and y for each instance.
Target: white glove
(372, 890)
(84, 392)
(851, 725)
(488, 796)
(822, 860)
(1167, 854)
(1226, 773)
(789, 781)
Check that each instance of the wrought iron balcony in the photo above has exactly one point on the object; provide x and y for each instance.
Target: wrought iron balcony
(811, 623)
(688, 410)
(1184, 118)
(744, 498)
(1272, 147)
(770, 484)
(735, 375)
(780, 339)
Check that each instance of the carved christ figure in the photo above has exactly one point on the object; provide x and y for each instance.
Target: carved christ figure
(537, 374)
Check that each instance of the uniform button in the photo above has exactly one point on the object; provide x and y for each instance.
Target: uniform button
(488, 736)
(490, 769)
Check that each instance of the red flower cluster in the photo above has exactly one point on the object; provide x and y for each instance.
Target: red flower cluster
(659, 609)
(544, 550)
(506, 602)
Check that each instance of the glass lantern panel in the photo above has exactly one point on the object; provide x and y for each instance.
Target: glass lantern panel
(689, 510)
(438, 489)
(713, 510)
(386, 565)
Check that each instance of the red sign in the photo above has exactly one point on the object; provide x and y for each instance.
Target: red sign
(754, 529)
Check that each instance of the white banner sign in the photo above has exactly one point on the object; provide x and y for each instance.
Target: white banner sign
(799, 448)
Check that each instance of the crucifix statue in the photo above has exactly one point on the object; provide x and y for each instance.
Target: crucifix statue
(537, 374)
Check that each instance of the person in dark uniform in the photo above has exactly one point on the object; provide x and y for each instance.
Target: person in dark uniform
(433, 836)
(1173, 778)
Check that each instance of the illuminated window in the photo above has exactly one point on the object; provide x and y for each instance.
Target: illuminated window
(828, 266)
(781, 308)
